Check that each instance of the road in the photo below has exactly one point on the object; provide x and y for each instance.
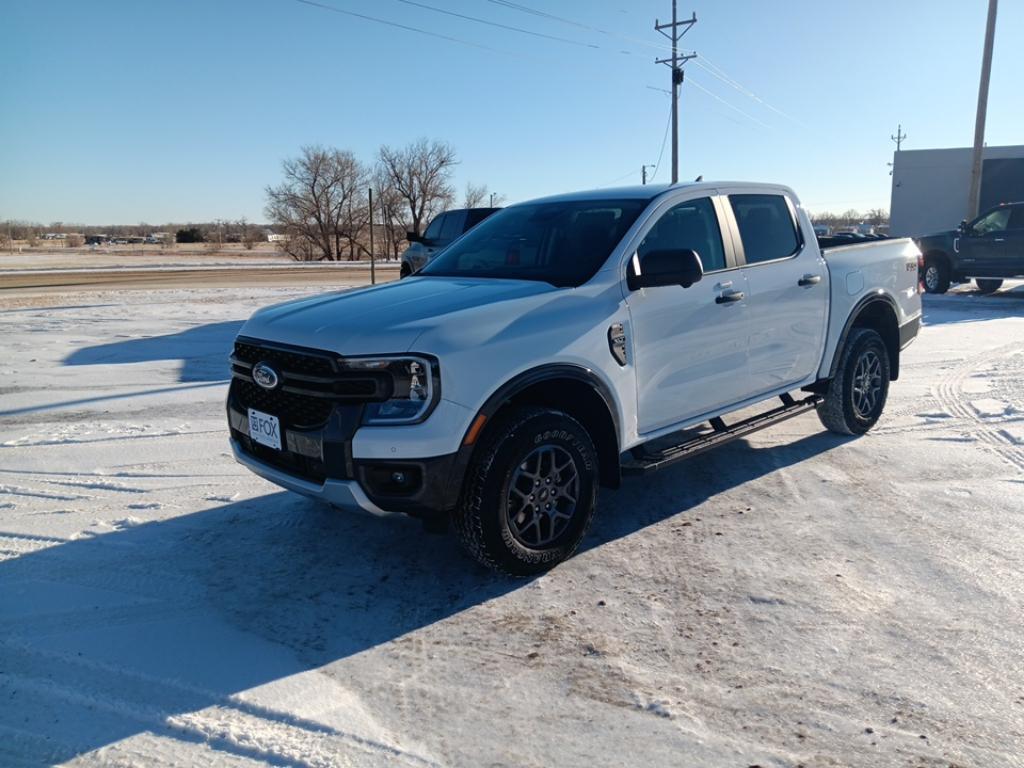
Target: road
(18, 283)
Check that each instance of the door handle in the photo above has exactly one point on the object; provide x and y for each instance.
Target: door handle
(809, 280)
(1000, 239)
(727, 297)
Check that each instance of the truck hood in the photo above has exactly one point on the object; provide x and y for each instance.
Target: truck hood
(386, 318)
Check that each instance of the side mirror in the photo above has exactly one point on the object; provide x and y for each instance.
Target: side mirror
(412, 237)
(659, 268)
(963, 225)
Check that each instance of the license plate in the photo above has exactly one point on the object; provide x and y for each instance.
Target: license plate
(265, 429)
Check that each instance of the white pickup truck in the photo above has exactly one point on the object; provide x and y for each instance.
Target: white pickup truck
(542, 354)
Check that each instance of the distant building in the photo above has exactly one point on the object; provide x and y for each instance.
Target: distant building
(929, 186)
(273, 238)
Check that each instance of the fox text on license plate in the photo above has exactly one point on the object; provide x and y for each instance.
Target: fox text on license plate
(265, 429)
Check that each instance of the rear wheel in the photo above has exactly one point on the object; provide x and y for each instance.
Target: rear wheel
(530, 492)
(988, 286)
(936, 275)
(856, 395)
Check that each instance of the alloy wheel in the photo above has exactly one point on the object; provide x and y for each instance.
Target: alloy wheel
(867, 384)
(542, 496)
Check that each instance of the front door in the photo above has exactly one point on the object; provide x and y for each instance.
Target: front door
(690, 344)
(982, 245)
(788, 292)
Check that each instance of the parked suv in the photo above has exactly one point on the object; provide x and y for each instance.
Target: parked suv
(442, 230)
(988, 249)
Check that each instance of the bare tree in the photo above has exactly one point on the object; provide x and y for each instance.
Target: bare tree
(475, 195)
(479, 196)
(421, 175)
(877, 216)
(315, 203)
(391, 214)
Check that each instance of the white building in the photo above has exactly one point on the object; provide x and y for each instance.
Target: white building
(930, 186)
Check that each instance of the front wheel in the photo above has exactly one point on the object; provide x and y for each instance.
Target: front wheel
(856, 395)
(530, 492)
(988, 286)
(936, 275)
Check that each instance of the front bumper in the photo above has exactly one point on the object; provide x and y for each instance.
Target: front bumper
(346, 494)
(318, 462)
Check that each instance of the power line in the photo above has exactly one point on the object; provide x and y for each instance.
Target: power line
(715, 71)
(498, 24)
(716, 97)
(406, 27)
(620, 178)
(663, 140)
(703, 62)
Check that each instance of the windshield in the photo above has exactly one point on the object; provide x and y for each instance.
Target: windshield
(562, 243)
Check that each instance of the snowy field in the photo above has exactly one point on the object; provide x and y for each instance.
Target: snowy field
(795, 599)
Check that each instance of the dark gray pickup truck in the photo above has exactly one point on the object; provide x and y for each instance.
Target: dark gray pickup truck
(988, 249)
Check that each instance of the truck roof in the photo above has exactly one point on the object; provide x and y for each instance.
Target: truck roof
(651, 191)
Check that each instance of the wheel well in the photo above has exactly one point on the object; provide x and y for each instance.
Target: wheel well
(939, 256)
(881, 317)
(583, 402)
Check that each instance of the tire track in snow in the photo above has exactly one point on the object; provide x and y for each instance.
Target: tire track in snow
(989, 433)
(228, 723)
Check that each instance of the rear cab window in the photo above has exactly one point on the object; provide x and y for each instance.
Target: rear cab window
(766, 225)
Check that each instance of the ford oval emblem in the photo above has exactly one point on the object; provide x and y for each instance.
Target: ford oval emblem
(265, 376)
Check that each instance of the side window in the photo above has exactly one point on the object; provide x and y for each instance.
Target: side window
(992, 222)
(475, 216)
(766, 227)
(1017, 217)
(691, 225)
(434, 230)
(452, 226)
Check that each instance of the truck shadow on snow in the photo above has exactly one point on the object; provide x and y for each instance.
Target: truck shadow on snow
(133, 630)
(203, 350)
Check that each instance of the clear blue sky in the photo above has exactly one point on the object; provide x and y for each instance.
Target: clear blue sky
(121, 111)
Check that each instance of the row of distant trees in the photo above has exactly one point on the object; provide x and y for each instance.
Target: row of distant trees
(71, 235)
(874, 216)
(323, 203)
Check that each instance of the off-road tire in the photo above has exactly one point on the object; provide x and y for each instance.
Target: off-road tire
(481, 519)
(989, 285)
(936, 275)
(839, 413)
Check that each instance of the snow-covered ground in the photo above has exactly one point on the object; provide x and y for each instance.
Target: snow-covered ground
(793, 599)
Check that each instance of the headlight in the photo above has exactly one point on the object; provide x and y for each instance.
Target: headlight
(415, 388)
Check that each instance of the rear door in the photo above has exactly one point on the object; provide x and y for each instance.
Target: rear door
(690, 344)
(788, 289)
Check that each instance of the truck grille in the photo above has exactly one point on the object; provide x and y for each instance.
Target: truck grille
(311, 382)
(294, 410)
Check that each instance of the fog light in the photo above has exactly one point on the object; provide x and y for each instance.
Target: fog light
(398, 478)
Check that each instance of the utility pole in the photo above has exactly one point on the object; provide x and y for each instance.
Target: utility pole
(373, 265)
(492, 200)
(643, 172)
(899, 137)
(675, 63)
(974, 194)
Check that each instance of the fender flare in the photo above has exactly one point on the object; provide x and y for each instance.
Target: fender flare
(878, 296)
(548, 372)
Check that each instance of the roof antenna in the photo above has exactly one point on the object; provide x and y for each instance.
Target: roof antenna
(699, 178)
